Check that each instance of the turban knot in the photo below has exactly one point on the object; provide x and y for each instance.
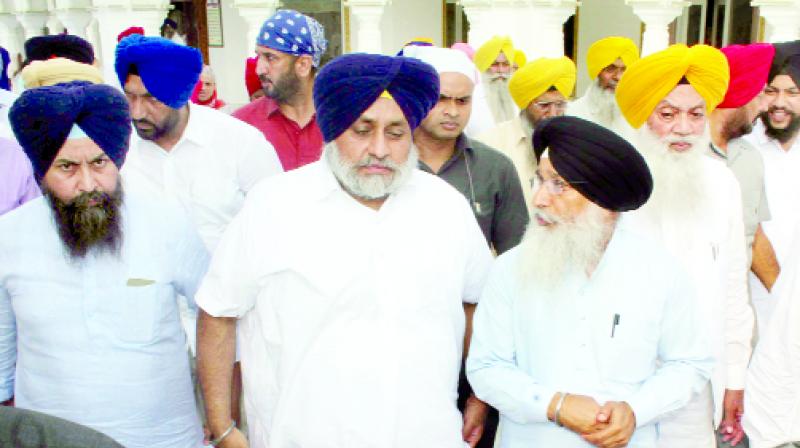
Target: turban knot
(536, 78)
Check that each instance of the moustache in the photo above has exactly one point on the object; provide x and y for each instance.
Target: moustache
(547, 217)
(780, 109)
(144, 121)
(376, 162)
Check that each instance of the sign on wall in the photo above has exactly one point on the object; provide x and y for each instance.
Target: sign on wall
(214, 21)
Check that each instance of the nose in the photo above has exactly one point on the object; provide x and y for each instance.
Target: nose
(450, 108)
(137, 108)
(86, 181)
(378, 147)
(261, 66)
(779, 101)
(682, 126)
(541, 197)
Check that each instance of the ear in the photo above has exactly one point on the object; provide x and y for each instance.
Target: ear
(303, 65)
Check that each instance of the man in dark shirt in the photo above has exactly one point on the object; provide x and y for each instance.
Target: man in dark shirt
(289, 48)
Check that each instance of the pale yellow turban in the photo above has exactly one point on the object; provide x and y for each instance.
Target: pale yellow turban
(605, 51)
(536, 78)
(488, 52)
(519, 58)
(58, 70)
(648, 81)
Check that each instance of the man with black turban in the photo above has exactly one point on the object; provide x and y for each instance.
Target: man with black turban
(572, 321)
(347, 277)
(89, 279)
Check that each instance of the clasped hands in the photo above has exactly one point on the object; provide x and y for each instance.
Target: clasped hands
(608, 426)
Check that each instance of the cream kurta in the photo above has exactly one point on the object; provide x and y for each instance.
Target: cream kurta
(513, 139)
(351, 323)
(714, 255)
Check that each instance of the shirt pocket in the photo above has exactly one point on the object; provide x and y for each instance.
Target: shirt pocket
(141, 310)
(629, 356)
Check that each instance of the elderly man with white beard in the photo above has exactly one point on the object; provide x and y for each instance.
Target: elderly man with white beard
(566, 345)
(606, 61)
(494, 60)
(350, 277)
(696, 211)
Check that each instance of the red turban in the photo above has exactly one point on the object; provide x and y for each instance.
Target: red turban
(251, 80)
(129, 31)
(749, 65)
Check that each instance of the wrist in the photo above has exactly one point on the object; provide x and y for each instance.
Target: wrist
(551, 408)
(217, 438)
(218, 426)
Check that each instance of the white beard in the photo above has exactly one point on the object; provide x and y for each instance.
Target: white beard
(678, 180)
(602, 104)
(549, 253)
(498, 96)
(373, 186)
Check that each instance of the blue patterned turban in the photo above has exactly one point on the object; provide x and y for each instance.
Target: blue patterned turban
(290, 32)
(349, 84)
(43, 117)
(168, 70)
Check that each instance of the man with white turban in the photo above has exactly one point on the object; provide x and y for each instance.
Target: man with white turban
(606, 61)
(696, 211)
(540, 89)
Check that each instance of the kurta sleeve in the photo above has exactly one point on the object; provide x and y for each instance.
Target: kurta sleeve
(684, 353)
(8, 345)
(739, 319)
(257, 159)
(511, 214)
(191, 262)
(491, 365)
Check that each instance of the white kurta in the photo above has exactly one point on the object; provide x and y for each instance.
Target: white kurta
(772, 395)
(529, 344)
(351, 323)
(714, 255)
(782, 184)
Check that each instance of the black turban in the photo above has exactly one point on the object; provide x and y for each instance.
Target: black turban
(43, 117)
(349, 84)
(598, 163)
(42, 48)
(787, 59)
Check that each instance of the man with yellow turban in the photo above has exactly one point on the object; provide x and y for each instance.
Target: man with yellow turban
(495, 60)
(696, 212)
(606, 61)
(540, 89)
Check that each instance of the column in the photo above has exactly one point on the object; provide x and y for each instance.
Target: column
(9, 36)
(481, 20)
(365, 25)
(54, 25)
(541, 30)
(656, 15)
(783, 19)
(76, 21)
(33, 23)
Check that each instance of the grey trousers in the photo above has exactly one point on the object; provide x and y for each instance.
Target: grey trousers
(21, 428)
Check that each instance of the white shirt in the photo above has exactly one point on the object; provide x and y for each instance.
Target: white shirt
(529, 343)
(352, 322)
(209, 171)
(714, 256)
(98, 341)
(772, 395)
(782, 184)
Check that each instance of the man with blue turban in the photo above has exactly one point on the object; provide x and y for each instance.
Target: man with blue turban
(347, 277)
(88, 289)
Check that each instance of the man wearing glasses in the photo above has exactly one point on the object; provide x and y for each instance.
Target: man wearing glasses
(540, 89)
(565, 345)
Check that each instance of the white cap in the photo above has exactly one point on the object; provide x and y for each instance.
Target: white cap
(444, 60)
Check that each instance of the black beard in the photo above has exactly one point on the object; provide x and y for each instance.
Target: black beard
(83, 227)
(285, 89)
(781, 135)
(158, 130)
(737, 127)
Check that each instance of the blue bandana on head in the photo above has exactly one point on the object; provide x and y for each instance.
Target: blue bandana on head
(168, 70)
(43, 118)
(349, 84)
(290, 32)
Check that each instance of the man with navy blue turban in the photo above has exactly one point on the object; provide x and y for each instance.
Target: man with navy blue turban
(107, 267)
(347, 277)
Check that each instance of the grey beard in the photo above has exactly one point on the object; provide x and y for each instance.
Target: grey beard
(369, 187)
(602, 103)
(549, 253)
(499, 98)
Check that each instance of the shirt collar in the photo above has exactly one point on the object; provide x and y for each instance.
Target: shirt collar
(717, 152)
(271, 106)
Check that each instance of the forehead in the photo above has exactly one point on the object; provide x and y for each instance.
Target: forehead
(617, 64)
(552, 95)
(783, 82)
(384, 111)
(501, 57)
(260, 49)
(546, 168)
(455, 84)
(79, 149)
(134, 84)
(683, 97)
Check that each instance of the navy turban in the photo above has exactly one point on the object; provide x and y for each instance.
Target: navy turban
(43, 117)
(349, 84)
(599, 164)
(42, 48)
(786, 60)
(168, 70)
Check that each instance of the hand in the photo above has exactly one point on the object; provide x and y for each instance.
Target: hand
(578, 414)
(732, 409)
(621, 423)
(235, 439)
(475, 412)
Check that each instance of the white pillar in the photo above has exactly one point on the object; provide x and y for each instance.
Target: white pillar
(481, 21)
(783, 19)
(9, 36)
(656, 15)
(365, 25)
(541, 30)
(76, 21)
(54, 25)
(33, 23)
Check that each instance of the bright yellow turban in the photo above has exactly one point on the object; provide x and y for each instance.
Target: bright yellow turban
(607, 50)
(519, 58)
(536, 78)
(648, 81)
(488, 52)
(58, 70)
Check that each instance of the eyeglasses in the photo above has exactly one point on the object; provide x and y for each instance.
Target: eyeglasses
(554, 186)
(547, 105)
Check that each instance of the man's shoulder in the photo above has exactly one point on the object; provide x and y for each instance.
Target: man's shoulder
(255, 111)
(499, 132)
(488, 154)
(27, 221)
(218, 119)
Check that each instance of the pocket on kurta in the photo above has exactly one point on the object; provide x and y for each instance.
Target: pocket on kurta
(138, 312)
